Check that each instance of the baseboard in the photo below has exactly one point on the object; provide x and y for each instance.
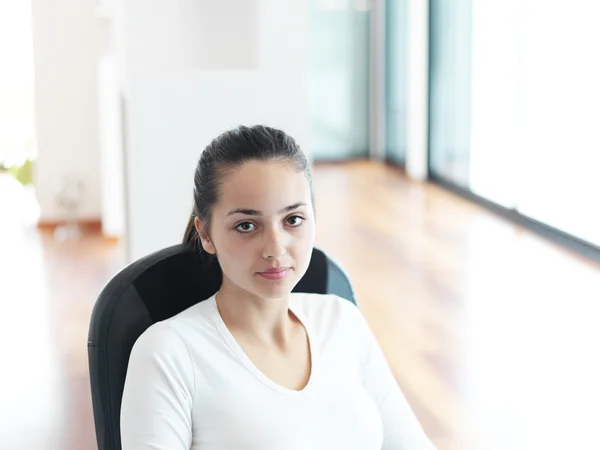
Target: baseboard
(88, 226)
(339, 162)
(395, 164)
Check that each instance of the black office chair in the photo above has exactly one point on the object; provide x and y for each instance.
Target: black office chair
(155, 288)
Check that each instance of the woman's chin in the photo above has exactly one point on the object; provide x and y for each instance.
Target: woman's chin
(274, 288)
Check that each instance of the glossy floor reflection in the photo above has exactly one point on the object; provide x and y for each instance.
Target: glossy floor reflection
(490, 330)
(48, 289)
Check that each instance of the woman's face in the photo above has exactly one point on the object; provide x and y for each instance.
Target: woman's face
(262, 228)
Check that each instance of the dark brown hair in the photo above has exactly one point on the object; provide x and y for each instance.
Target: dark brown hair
(229, 151)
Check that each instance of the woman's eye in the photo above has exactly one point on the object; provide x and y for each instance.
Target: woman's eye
(295, 220)
(245, 227)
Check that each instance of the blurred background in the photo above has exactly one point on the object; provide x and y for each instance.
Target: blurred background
(456, 153)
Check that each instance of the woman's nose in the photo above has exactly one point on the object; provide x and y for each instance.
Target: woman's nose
(274, 246)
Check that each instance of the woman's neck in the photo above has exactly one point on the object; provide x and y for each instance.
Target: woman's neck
(266, 321)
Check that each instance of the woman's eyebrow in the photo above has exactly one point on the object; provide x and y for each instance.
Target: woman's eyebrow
(254, 212)
(292, 207)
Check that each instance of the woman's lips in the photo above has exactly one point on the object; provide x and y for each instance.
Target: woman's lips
(275, 274)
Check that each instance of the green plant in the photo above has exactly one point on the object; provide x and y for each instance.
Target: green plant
(23, 173)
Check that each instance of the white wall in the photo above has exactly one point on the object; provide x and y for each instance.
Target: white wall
(190, 70)
(68, 39)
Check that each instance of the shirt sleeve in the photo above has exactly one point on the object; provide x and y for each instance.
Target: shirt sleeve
(401, 428)
(156, 408)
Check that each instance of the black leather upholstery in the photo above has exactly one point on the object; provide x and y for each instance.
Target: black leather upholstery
(155, 288)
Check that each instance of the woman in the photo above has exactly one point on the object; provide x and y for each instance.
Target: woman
(256, 367)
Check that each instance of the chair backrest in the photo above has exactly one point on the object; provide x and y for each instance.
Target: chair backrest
(155, 288)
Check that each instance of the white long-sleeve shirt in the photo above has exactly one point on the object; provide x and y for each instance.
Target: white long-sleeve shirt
(190, 385)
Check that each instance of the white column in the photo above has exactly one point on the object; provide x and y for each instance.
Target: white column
(418, 96)
(110, 142)
(377, 81)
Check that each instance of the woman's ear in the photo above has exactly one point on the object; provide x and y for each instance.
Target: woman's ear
(207, 244)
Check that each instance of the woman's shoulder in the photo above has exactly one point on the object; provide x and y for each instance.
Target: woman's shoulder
(325, 310)
(310, 301)
(175, 332)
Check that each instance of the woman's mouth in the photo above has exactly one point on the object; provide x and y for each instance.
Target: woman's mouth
(278, 273)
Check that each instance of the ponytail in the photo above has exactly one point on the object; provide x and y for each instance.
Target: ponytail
(191, 234)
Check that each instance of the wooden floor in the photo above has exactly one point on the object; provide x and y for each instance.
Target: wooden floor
(492, 332)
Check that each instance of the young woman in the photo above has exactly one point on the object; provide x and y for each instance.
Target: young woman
(257, 367)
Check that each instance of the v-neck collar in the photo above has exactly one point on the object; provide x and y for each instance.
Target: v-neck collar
(250, 366)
